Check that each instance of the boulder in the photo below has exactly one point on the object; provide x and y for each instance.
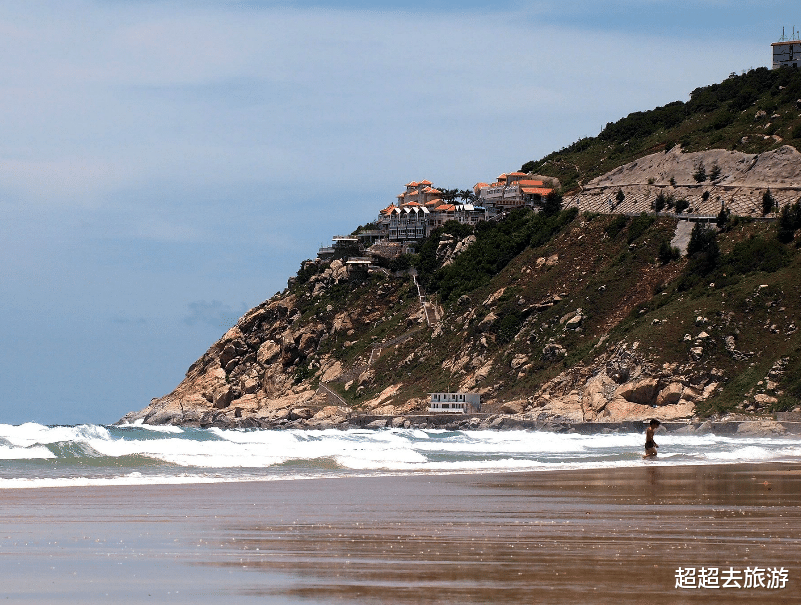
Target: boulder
(268, 352)
(512, 407)
(553, 352)
(366, 377)
(642, 391)
(487, 321)
(332, 372)
(670, 394)
(763, 399)
(300, 414)
(519, 360)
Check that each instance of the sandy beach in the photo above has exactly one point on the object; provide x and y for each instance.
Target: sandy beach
(601, 536)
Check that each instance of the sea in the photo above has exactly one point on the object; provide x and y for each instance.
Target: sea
(38, 456)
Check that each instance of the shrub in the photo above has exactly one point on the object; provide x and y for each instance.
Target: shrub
(682, 205)
(553, 203)
(703, 249)
(639, 225)
(714, 174)
(659, 203)
(668, 253)
(617, 225)
(768, 202)
(700, 173)
(756, 254)
(723, 217)
(789, 222)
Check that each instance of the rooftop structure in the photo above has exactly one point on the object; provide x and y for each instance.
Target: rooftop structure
(787, 51)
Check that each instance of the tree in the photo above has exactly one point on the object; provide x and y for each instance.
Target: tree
(789, 222)
(668, 253)
(553, 203)
(700, 173)
(659, 203)
(723, 217)
(703, 248)
(714, 174)
(768, 202)
(620, 196)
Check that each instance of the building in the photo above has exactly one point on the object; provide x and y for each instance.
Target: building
(420, 210)
(454, 403)
(787, 53)
(510, 191)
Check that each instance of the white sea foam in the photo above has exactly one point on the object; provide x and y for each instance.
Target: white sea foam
(31, 433)
(155, 428)
(192, 455)
(25, 453)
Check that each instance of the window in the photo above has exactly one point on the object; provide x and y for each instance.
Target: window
(445, 406)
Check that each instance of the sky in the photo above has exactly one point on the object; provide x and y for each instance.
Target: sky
(167, 165)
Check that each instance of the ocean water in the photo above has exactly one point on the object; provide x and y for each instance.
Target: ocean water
(35, 456)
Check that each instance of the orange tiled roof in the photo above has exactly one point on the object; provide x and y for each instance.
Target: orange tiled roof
(530, 183)
(446, 208)
(388, 209)
(502, 177)
(517, 174)
(412, 184)
(425, 182)
(434, 202)
(412, 204)
(536, 190)
(431, 190)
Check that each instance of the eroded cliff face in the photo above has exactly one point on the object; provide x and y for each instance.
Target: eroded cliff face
(586, 325)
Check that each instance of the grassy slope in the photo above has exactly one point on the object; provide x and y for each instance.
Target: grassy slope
(609, 269)
(721, 116)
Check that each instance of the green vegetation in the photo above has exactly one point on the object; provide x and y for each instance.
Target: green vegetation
(497, 243)
(722, 116)
(789, 223)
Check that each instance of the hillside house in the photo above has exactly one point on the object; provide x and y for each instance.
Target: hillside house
(454, 403)
(420, 210)
(509, 191)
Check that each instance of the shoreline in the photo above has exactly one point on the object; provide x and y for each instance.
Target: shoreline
(728, 427)
(617, 535)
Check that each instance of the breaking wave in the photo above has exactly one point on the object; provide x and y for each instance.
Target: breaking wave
(34, 455)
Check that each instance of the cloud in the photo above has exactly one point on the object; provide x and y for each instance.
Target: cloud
(214, 314)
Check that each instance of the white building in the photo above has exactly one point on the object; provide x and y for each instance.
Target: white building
(787, 53)
(454, 403)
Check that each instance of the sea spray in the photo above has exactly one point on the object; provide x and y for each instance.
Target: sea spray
(33, 455)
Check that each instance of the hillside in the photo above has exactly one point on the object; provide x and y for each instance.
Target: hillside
(751, 113)
(579, 319)
(553, 316)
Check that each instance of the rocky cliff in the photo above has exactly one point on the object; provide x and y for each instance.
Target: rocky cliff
(583, 320)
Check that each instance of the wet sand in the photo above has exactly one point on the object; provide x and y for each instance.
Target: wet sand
(607, 536)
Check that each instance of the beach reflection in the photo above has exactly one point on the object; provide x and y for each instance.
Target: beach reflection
(614, 536)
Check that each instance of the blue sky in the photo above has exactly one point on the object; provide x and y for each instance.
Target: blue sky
(166, 165)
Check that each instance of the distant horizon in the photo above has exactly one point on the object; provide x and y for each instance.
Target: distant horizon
(166, 167)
